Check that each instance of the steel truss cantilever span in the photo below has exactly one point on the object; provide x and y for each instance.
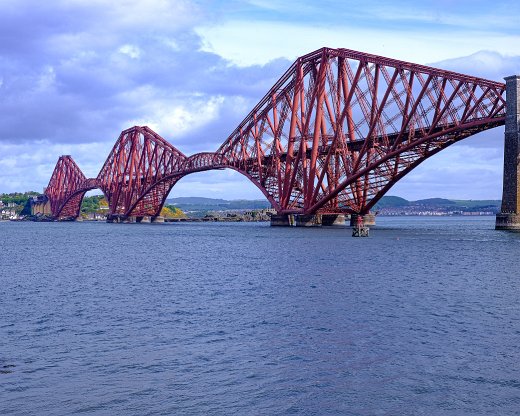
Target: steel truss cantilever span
(333, 135)
(139, 173)
(67, 187)
(341, 127)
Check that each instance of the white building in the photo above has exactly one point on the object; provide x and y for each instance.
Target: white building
(8, 214)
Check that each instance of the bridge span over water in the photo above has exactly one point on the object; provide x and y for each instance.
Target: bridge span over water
(331, 137)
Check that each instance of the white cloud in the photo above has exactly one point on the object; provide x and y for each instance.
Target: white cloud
(130, 50)
(486, 64)
(29, 166)
(257, 42)
(7, 163)
(161, 15)
(172, 115)
(443, 15)
(46, 79)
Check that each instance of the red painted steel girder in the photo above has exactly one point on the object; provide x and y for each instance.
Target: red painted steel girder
(341, 127)
(67, 187)
(333, 135)
(133, 176)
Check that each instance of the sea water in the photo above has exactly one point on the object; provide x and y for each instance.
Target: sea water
(421, 318)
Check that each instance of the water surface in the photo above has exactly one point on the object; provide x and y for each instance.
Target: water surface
(421, 318)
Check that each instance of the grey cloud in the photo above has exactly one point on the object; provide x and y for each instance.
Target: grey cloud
(489, 65)
(73, 73)
(484, 64)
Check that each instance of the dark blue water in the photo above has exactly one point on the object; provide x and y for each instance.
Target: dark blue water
(422, 318)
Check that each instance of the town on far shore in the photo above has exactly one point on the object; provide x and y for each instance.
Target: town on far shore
(17, 206)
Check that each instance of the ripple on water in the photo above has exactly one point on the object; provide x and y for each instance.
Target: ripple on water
(419, 319)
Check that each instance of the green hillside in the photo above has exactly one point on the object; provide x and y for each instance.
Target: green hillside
(389, 202)
(392, 202)
(435, 202)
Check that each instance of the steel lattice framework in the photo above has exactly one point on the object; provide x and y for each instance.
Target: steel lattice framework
(140, 172)
(67, 187)
(333, 135)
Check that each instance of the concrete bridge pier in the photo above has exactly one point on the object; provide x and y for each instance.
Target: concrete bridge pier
(144, 220)
(295, 220)
(313, 220)
(328, 220)
(116, 218)
(369, 220)
(509, 217)
(360, 224)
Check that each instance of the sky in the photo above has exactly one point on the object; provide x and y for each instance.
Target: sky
(75, 73)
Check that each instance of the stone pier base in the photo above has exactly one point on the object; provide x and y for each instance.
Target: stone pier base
(316, 220)
(369, 220)
(507, 222)
(509, 217)
(117, 219)
(296, 220)
(328, 220)
(280, 221)
(130, 220)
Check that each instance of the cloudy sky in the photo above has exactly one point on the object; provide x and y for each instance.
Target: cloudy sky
(74, 73)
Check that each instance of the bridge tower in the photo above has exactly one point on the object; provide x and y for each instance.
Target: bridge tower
(509, 217)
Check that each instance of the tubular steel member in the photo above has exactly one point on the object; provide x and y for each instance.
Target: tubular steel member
(133, 176)
(340, 128)
(66, 189)
(332, 136)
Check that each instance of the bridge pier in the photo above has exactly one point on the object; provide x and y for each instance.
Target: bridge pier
(328, 220)
(509, 217)
(132, 219)
(360, 224)
(368, 220)
(296, 220)
(313, 220)
(116, 218)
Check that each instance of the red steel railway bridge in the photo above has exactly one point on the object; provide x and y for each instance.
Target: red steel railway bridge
(330, 138)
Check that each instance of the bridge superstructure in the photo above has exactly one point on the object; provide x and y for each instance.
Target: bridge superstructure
(331, 137)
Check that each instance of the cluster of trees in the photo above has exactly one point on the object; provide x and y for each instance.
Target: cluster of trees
(98, 204)
(171, 211)
(18, 198)
(95, 203)
(90, 204)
